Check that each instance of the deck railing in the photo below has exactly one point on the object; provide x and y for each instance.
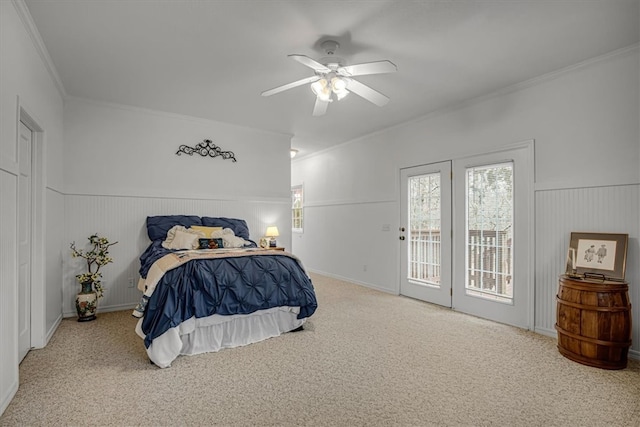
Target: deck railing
(489, 267)
(489, 263)
(425, 255)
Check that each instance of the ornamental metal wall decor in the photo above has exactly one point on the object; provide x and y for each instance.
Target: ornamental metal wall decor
(206, 148)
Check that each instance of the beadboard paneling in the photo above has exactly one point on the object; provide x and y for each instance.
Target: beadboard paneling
(599, 210)
(8, 289)
(123, 219)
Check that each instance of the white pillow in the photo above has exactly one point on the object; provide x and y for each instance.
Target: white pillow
(180, 237)
(229, 238)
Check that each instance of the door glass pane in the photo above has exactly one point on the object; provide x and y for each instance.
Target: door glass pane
(424, 229)
(490, 232)
(296, 208)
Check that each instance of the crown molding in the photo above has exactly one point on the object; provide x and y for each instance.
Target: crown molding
(535, 81)
(27, 20)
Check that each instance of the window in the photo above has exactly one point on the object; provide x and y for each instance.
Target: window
(297, 201)
(424, 226)
(489, 231)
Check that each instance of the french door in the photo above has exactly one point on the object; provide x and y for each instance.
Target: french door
(485, 268)
(426, 233)
(493, 217)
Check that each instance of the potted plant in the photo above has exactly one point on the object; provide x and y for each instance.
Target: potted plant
(96, 257)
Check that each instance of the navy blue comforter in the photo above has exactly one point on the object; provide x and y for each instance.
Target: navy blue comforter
(225, 286)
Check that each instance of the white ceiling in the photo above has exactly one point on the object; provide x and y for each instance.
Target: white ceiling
(212, 59)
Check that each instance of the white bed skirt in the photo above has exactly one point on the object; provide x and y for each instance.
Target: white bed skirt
(213, 333)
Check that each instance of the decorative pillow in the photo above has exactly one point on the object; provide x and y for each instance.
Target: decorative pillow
(239, 226)
(207, 231)
(230, 239)
(210, 243)
(159, 226)
(180, 237)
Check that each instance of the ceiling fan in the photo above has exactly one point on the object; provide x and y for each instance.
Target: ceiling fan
(333, 79)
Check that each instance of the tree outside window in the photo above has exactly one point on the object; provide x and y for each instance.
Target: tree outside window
(490, 220)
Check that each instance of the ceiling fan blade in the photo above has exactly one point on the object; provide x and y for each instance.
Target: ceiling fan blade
(311, 63)
(290, 85)
(378, 67)
(320, 107)
(366, 92)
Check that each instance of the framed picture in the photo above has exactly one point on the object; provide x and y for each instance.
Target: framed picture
(601, 255)
(264, 242)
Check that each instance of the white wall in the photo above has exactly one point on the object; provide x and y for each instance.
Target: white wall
(584, 121)
(27, 84)
(119, 150)
(121, 166)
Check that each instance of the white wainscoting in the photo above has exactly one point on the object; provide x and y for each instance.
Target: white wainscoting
(54, 245)
(123, 219)
(8, 289)
(611, 209)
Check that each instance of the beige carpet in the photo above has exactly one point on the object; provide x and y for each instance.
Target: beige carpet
(366, 358)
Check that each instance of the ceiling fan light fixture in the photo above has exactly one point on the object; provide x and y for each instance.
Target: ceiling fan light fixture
(324, 87)
(318, 86)
(325, 95)
(342, 94)
(338, 84)
(321, 89)
(339, 87)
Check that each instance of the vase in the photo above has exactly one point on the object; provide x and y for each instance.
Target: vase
(86, 303)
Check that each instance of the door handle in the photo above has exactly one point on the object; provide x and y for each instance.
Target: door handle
(401, 237)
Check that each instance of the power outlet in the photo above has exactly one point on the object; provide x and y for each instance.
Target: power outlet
(130, 282)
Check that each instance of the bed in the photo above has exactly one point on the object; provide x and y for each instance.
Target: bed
(207, 286)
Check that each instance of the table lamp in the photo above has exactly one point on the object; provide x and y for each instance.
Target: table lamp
(272, 233)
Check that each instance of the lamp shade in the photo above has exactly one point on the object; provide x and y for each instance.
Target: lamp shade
(337, 84)
(272, 231)
(322, 89)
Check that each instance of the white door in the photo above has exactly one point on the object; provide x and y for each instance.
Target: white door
(24, 242)
(425, 233)
(492, 235)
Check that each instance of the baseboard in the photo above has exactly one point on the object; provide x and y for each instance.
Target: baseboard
(51, 331)
(350, 280)
(547, 332)
(105, 309)
(633, 354)
(8, 397)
